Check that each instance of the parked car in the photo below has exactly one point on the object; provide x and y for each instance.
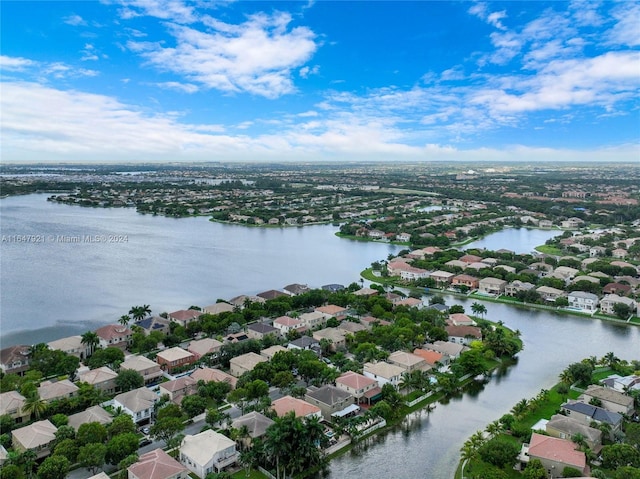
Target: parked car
(145, 441)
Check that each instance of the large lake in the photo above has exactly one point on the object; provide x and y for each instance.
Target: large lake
(55, 288)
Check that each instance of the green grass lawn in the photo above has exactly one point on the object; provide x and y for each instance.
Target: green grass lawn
(546, 249)
(254, 474)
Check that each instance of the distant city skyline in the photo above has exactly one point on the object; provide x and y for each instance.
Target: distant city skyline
(207, 80)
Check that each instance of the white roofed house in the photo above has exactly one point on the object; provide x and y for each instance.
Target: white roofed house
(203, 347)
(72, 345)
(384, 373)
(137, 403)
(11, 404)
(493, 286)
(102, 378)
(36, 437)
(550, 294)
(51, 391)
(583, 301)
(207, 452)
(608, 303)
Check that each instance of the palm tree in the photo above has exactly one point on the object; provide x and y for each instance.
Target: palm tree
(91, 340)
(494, 428)
(34, 405)
(610, 359)
(476, 308)
(520, 408)
(124, 320)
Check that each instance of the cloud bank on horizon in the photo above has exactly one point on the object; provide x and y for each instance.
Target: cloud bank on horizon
(178, 80)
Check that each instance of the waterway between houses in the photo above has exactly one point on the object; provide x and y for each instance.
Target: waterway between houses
(54, 288)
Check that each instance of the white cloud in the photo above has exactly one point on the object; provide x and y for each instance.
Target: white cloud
(174, 10)
(183, 87)
(74, 20)
(255, 57)
(15, 63)
(306, 71)
(626, 31)
(89, 53)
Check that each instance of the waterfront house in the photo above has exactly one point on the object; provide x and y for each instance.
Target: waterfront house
(174, 358)
(447, 348)
(383, 373)
(563, 427)
(185, 316)
(469, 281)
(299, 407)
(149, 370)
(463, 334)
(611, 399)
(177, 389)
(72, 345)
(214, 375)
(622, 383)
(608, 303)
(554, 454)
(256, 425)
(245, 363)
(154, 323)
(114, 336)
(157, 464)
(513, 288)
(218, 308)
(270, 294)
(92, 414)
(37, 437)
(202, 347)
(11, 404)
(442, 278)
(284, 324)
(432, 358)
(408, 362)
(333, 287)
(207, 452)
(549, 294)
(15, 359)
(53, 390)
(261, 330)
(331, 400)
(494, 286)
(137, 403)
(296, 289)
(362, 388)
(588, 413)
(582, 300)
(460, 319)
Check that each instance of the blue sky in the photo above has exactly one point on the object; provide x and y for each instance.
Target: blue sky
(176, 80)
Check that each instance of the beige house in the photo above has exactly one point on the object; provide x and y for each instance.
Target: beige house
(260, 330)
(14, 359)
(313, 319)
(408, 362)
(92, 414)
(114, 336)
(210, 374)
(284, 324)
(555, 454)
(178, 388)
(244, 363)
(36, 437)
(50, 390)
(270, 352)
(202, 347)
(384, 373)
(494, 286)
(149, 370)
(174, 358)
(11, 404)
(335, 336)
(442, 278)
(550, 294)
(185, 316)
(207, 452)
(138, 404)
(71, 345)
(608, 303)
(611, 399)
(157, 464)
(102, 378)
(564, 427)
(256, 425)
(218, 308)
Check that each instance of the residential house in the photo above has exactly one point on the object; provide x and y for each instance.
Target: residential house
(149, 370)
(494, 286)
(456, 263)
(549, 294)
(331, 400)
(620, 253)
(207, 452)
(218, 308)
(300, 408)
(410, 303)
(332, 311)
(72, 345)
(611, 399)
(214, 375)
(284, 324)
(335, 336)
(270, 294)
(411, 273)
(442, 278)
(15, 359)
(460, 319)
(271, 351)
(11, 404)
(137, 403)
(583, 301)
(362, 388)
(513, 288)
(622, 383)
(157, 464)
(504, 267)
(256, 425)
(408, 362)
(92, 414)
(583, 277)
(617, 288)
(114, 336)
(236, 337)
(154, 323)
(178, 388)
(564, 272)
(554, 454)
(470, 258)
(463, 334)
(470, 282)
(403, 237)
(563, 427)
(304, 342)
(313, 319)
(54, 390)
(245, 363)
(608, 303)
(242, 300)
(202, 347)
(477, 266)
(349, 327)
(596, 251)
(452, 350)
(261, 330)
(333, 287)
(175, 358)
(588, 413)
(37, 437)
(185, 316)
(432, 358)
(366, 292)
(369, 322)
(296, 289)
(384, 373)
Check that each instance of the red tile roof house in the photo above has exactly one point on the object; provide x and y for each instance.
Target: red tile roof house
(157, 464)
(358, 385)
(470, 258)
(555, 454)
(174, 358)
(285, 324)
(300, 408)
(465, 280)
(432, 357)
(114, 336)
(179, 388)
(185, 316)
(332, 311)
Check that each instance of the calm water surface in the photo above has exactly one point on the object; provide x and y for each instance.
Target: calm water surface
(518, 240)
(54, 288)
